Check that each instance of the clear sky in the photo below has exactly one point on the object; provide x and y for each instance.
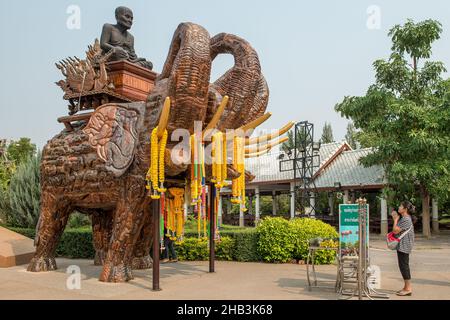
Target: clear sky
(313, 53)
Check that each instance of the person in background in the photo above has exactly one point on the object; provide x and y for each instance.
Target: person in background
(403, 223)
(169, 253)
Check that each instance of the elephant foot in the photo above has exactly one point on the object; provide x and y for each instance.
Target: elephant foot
(99, 257)
(38, 264)
(144, 262)
(115, 273)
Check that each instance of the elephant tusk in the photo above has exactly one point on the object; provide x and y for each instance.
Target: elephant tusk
(215, 119)
(249, 126)
(269, 136)
(164, 118)
(253, 124)
(257, 154)
(265, 146)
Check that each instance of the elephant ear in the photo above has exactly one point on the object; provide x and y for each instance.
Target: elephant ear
(113, 131)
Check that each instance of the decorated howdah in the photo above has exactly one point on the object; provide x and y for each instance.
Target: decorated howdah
(115, 160)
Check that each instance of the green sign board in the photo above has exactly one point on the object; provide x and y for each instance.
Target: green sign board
(349, 228)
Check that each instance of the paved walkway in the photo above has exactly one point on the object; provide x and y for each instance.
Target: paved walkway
(430, 265)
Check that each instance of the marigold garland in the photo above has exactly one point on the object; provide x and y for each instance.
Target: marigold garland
(238, 184)
(155, 173)
(175, 216)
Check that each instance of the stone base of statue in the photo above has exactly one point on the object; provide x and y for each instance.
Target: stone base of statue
(130, 80)
(15, 249)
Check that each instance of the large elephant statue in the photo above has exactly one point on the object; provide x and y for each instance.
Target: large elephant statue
(100, 167)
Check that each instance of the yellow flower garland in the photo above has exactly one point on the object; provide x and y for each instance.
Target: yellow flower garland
(219, 165)
(156, 163)
(238, 184)
(176, 213)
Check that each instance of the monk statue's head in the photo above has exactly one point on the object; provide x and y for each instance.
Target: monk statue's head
(124, 17)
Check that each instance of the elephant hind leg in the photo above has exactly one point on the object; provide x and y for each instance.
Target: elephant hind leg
(101, 233)
(117, 265)
(52, 221)
(141, 254)
(128, 221)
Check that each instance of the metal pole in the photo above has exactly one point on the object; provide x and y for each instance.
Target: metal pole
(156, 238)
(212, 225)
(360, 251)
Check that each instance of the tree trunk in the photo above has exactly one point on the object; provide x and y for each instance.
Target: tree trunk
(426, 230)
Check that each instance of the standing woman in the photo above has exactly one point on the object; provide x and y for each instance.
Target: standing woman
(403, 223)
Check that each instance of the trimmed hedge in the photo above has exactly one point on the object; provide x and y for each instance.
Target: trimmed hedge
(239, 245)
(194, 249)
(246, 246)
(74, 243)
(274, 240)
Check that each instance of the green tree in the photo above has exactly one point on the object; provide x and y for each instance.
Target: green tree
(7, 167)
(289, 144)
(405, 115)
(350, 136)
(327, 133)
(19, 151)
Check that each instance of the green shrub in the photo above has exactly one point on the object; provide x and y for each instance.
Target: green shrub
(195, 249)
(246, 245)
(20, 203)
(326, 256)
(78, 220)
(304, 229)
(4, 205)
(224, 248)
(27, 232)
(192, 249)
(76, 243)
(275, 240)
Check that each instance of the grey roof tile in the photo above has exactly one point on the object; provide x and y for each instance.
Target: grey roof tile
(345, 168)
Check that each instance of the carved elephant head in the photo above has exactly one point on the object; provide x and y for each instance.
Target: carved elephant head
(185, 78)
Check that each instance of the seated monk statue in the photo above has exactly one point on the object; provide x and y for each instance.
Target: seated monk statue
(117, 38)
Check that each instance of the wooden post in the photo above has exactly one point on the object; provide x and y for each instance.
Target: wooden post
(292, 200)
(212, 225)
(241, 215)
(156, 225)
(331, 203)
(274, 203)
(219, 211)
(257, 213)
(384, 224)
(346, 196)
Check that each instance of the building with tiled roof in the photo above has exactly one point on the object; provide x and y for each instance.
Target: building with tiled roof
(338, 169)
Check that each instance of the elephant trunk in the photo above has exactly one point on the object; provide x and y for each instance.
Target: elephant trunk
(243, 83)
(185, 77)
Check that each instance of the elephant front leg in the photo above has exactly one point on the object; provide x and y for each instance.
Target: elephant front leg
(52, 221)
(141, 254)
(128, 221)
(101, 233)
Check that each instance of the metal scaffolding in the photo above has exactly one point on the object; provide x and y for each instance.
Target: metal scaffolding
(304, 160)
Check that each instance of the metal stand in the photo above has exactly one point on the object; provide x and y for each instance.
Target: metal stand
(156, 237)
(310, 262)
(212, 225)
(362, 289)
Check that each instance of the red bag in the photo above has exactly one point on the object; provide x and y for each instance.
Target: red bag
(392, 241)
